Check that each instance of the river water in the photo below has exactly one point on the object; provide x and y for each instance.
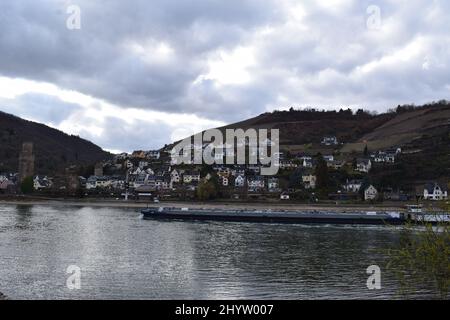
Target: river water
(122, 256)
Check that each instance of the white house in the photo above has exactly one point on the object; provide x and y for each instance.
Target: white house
(141, 180)
(384, 157)
(363, 165)
(273, 184)
(143, 164)
(5, 183)
(434, 191)
(224, 172)
(255, 183)
(128, 164)
(153, 154)
(162, 183)
(40, 183)
(287, 164)
(329, 141)
(175, 176)
(307, 162)
(189, 177)
(353, 186)
(370, 193)
(97, 182)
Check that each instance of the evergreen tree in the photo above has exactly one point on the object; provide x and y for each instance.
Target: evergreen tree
(27, 185)
(321, 173)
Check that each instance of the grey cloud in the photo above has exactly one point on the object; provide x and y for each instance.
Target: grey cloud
(317, 65)
(35, 44)
(124, 136)
(39, 107)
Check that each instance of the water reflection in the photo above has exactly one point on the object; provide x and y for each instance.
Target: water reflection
(122, 256)
(24, 215)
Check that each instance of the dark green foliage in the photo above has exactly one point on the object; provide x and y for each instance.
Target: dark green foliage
(321, 172)
(206, 190)
(27, 185)
(421, 259)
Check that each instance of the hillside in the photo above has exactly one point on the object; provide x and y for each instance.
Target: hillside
(423, 133)
(298, 127)
(406, 127)
(301, 128)
(54, 150)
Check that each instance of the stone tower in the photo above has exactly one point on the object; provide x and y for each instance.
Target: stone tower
(26, 161)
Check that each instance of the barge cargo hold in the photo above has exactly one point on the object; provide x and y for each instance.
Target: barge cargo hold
(272, 216)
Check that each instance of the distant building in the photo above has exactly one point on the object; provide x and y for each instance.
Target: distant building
(153, 154)
(370, 193)
(5, 184)
(287, 164)
(192, 176)
(175, 176)
(329, 141)
(26, 161)
(98, 170)
(363, 165)
(41, 183)
(433, 191)
(307, 162)
(335, 164)
(95, 182)
(273, 184)
(139, 154)
(255, 183)
(384, 157)
(353, 186)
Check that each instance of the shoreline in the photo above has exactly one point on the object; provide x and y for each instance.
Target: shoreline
(205, 205)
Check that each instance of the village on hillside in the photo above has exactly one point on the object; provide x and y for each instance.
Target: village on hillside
(309, 176)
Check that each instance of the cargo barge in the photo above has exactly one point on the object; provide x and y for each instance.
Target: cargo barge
(272, 216)
(414, 213)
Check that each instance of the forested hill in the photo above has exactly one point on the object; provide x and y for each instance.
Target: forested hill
(54, 150)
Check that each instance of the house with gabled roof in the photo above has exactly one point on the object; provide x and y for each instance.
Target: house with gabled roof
(435, 191)
(363, 165)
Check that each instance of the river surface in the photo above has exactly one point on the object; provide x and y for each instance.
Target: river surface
(122, 256)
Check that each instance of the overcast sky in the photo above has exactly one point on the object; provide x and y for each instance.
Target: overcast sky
(138, 74)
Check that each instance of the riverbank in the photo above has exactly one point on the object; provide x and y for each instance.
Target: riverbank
(208, 205)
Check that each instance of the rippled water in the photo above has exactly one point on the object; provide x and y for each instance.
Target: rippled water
(124, 257)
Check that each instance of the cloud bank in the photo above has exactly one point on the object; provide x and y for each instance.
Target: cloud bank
(139, 73)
